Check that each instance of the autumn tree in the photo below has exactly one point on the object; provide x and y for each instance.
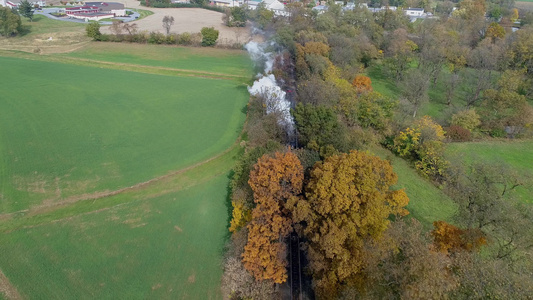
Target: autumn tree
(486, 199)
(448, 238)
(273, 180)
(362, 84)
(349, 200)
(495, 31)
(402, 265)
(504, 107)
(399, 53)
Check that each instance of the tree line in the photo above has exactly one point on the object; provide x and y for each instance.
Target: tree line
(340, 198)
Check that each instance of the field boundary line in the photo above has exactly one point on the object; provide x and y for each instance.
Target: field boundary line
(6, 288)
(125, 66)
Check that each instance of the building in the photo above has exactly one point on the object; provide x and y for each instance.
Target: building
(274, 5)
(227, 3)
(414, 12)
(15, 3)
(109, 8)
(96, 11)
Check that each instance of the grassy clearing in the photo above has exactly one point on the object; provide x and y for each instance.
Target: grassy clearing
(426, 202)
(437, 106)
(143, 12)
(232, 62)
(517, 154)
(77, 130)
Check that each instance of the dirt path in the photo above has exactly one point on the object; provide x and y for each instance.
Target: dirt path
(6, 288)
(188, 20)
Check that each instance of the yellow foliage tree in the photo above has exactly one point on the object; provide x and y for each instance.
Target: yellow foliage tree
(349, 199)
(273, 181)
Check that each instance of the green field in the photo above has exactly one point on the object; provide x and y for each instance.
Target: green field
(154, 247)
(229, 62)
(114, 174)
(67, 130)
(517, 154)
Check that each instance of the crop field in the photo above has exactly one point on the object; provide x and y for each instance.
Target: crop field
(113, 178)
(229, 62)
(518, 155)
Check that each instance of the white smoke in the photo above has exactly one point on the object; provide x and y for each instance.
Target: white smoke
(267, 87)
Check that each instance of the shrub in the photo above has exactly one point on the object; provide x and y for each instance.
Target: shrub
(467, 119)
(184, 39)
(209, 36)
(93, 30)
(458, 134)
(156, 38)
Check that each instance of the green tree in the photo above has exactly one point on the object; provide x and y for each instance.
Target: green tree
(349, 200)
(318, 127)
(9, 22)
(235, 17)
(93, 30)
(209, 36)
(26, 9)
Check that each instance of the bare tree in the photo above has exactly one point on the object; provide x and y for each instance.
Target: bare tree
(168, 21)
(415, 89)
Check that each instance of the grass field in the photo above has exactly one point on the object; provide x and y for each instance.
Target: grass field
(231, 62)
(517, 154)
(80, 129)
(153, 246)
(81, 140)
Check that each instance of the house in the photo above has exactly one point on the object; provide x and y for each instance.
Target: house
(227, 3)
(414, 12)
(274, 5)
(15, 3)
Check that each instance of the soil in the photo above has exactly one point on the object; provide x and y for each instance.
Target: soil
(188, 20)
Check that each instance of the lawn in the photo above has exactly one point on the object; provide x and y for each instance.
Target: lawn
(517, 154)
(427, 203)
(68, 130)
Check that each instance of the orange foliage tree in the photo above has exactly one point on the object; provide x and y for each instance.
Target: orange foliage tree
(362, 84)
(273, 180)
(348, 200)
(448, 238)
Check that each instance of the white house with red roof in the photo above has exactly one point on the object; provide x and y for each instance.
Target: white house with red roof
(95, 11)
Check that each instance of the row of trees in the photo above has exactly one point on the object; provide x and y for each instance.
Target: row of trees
(339, 200)
(128, 32)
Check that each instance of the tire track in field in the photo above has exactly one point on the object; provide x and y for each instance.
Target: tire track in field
(36, 210)
(158, 70)
(6, 288)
